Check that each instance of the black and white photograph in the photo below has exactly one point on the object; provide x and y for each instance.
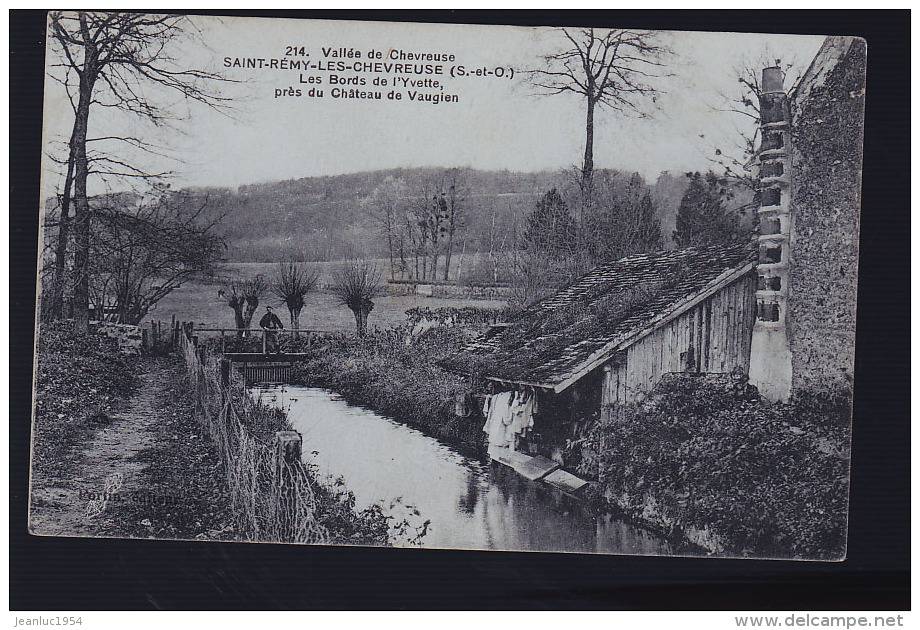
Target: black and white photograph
(447, 286)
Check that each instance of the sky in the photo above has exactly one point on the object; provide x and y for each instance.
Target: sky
(497, 123)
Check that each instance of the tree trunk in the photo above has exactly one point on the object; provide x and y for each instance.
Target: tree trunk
(447, 256)
(587, 169)
(251, 306)
(390, 246)
(583, 256)
(460, 262)
(360, 322)
(239, 320)
(403, 265)
(81, 202)
(295, 321)
(55, 299)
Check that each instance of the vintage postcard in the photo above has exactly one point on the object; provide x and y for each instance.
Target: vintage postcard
(455, 286)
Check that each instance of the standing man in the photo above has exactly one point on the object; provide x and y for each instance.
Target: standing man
(270, 323)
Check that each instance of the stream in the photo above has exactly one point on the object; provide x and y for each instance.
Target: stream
(467, 503)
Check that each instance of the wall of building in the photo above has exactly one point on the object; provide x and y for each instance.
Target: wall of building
(827, 123)
(713, 337)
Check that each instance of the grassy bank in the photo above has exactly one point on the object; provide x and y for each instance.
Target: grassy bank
(185, 493)
(333, 508)
(80, 381)
(737, 477)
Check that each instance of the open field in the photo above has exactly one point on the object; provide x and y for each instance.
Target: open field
(199, 302)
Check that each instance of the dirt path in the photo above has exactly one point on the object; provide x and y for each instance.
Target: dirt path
(108, 470)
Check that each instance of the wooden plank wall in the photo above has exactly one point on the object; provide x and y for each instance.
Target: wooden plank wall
(714, 336)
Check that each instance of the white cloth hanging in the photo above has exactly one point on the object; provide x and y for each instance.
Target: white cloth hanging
(508, 415)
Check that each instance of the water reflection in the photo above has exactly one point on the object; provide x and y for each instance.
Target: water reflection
(470, 504)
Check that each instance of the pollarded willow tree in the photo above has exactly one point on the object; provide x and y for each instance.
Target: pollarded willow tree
(243, 296)
(109, 60)
(355, 284)
(292, 282)
(608, 68)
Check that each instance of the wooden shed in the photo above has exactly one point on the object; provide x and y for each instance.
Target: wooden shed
(611, 335)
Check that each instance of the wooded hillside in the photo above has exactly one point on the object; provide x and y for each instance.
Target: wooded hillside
(337, 217)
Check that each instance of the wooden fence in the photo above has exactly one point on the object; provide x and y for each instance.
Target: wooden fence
(159, 337)
(271, 490)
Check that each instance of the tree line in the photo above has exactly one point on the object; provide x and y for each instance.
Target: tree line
(566, 235)
(423, 229)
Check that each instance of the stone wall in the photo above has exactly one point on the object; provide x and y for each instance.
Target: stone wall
(827, 124)
(448, 290)
(129, 337)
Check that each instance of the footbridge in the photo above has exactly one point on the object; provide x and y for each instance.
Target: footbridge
(263, 356)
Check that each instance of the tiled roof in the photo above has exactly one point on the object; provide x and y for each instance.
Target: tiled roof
(602, 312)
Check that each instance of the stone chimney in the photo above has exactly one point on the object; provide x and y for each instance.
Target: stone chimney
(771, 360)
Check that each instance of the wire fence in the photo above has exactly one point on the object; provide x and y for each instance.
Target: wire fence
(272, 494)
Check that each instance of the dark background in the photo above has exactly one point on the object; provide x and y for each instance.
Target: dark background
(85, 574)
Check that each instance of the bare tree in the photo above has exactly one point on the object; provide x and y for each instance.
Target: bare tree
(355, 284)
(253, 290)
(454, 215)
(293, 281)
(439, 213)
(387, 204)
(613, 68)
(105, 58)
(232, 294)
(430, 210)
(142, 251)
(412, 224)
(243, 296)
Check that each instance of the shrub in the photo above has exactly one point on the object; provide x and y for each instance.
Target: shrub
(742, 477)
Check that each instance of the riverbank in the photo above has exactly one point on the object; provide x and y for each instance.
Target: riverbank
(736, 476)
(185, 493)
(709, 471)
(383, 373)
(274, 494)
(119, 451)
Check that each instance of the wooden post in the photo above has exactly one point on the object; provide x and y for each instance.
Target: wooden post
(174, 332)
(264, 342)
(223, 344)
(145, 341)
(288, 449)
(225, 372)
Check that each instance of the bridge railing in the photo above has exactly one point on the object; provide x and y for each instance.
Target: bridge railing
(258, 340)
